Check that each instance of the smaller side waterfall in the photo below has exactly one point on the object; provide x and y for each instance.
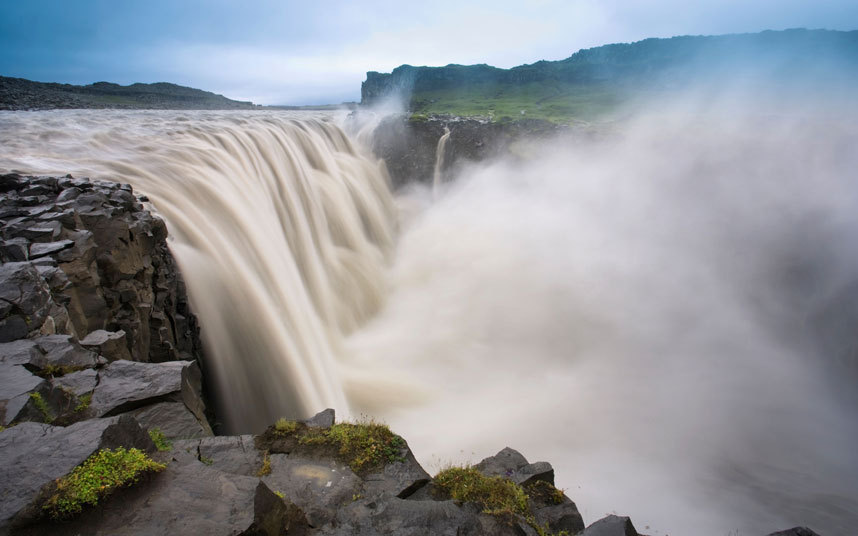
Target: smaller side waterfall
(439, 161)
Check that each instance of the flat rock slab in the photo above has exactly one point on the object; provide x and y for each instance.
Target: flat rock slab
(109, 344)
(125, 385)
(33, 455)
(233, 454)
(172, 418)
(79, 383)
(16, 384)
(182, 499)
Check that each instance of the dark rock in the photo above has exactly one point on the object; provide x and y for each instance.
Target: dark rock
(110, 344)
(20, 352)
(79, 383)
(319, 487)
(233, 454)
(23, 288)
(40, 250)
(16, 384)
(611, 526)
(273, 516)
(173, 419)
(127, 385)
(397, 479)
(61, 351)
(35, 455)
(14, 249)
(510, 464)
(795, 531)
(323, 419)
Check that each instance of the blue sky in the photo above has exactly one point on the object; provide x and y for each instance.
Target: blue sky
(288, 52)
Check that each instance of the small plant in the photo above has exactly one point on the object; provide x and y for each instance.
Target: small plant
(160, 440)
(356, 496)
(206, 461)
(545, 491)
(55, 371)
(2, 427)
(266, 465)
(42, 406)
(97, 477)
(364, 445)
(283, 427)
(495, 495)
(279, 494)
(83, 402)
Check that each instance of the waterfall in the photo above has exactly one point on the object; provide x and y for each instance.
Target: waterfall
(439, 160)
(283, 228)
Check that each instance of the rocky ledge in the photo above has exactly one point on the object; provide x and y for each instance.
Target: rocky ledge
(103, 421)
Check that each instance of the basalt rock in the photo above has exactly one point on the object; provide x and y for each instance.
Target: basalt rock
(82, 257)
(409, 147)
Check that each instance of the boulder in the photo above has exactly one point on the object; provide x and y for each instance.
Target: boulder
(510, 464)
(33, 456)
(109, 344)
(323, 419)
(16, 384)
(127, 385)
(173, 419)
(26, 298)
(611, 526)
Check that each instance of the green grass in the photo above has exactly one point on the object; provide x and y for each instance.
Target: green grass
(83, 402)
(283, 427)
(266, 465)
(97, 477)
(56, 371)
(160, 440)
(42, 406)
(363, 445)
(497, 495)
(556, 102)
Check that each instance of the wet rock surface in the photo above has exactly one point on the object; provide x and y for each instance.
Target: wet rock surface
(408, 146)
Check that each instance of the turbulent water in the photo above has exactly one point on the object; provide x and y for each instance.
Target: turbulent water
(664, 314)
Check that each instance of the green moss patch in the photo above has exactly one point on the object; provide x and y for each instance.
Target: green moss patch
(97, 477)
(495, 495)
(283, 427)
(83, 403)
(160, 440)
(499, 496)
(42, 406)
(364, 445)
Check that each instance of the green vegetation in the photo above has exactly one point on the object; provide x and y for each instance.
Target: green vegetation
(266, 465)
(283, 427)
(55, 371)
(97, 477)
(560, 103)
(42, 406)
(363, 445)
(83, 402)
(160, 439)
(2, 427)
(279, 494)
(206, 461)
(497, 495)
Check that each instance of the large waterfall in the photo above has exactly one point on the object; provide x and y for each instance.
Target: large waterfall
(651, 310)
(282, 226)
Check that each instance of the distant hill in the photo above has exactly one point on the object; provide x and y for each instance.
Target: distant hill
(21, 94)
(594, 81)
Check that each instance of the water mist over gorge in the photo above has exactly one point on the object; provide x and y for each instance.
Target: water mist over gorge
(651, 312)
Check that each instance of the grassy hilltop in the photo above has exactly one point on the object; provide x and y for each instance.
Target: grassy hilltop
(593, 83)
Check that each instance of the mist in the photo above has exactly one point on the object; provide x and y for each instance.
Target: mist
(656, 308)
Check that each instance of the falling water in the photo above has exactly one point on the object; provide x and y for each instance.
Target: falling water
(282, 226)
(439, 161)
(640, 311)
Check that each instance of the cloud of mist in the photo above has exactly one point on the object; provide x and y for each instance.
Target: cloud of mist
(644, 312)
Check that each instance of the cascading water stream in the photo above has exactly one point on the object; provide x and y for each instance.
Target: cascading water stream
(283, 227)
(439, 161)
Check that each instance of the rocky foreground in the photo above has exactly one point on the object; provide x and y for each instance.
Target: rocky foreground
(105, 426)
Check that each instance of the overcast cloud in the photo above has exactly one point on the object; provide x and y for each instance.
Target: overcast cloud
(291, 52)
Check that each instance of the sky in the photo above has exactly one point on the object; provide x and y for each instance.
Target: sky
(317, 52)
